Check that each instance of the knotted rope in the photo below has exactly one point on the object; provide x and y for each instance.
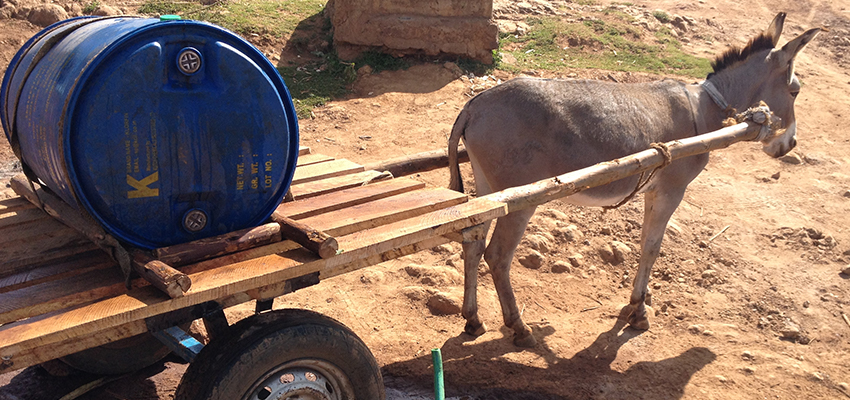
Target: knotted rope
(760, 115)
(668, 159)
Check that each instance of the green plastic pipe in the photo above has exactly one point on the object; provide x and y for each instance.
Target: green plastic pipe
(439, 389)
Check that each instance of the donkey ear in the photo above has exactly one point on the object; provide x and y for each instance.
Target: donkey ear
(775, 28)
(792, 48)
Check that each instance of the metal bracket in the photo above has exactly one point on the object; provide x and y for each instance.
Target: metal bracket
(181, 316)
(179, 342)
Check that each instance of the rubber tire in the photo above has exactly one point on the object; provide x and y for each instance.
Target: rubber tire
(119, 357)
(228, 367)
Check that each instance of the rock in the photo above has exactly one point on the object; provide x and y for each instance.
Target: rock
(844, 386)
(577, 260)
(570, 233)
(749, 370)
(620, 250)
(696, 329)
(74, 9)
(721, 378)
(606, 253)
(707, 333)
(561, 267)
(441, 303)
(434, 276)
(364, 70)
(673, 229)
(444, 249)
(791, 158)
(46, 14)
(539, 243)
(369, 277)
(790, 331)
(415, 293)
(846, 270)
(817, 376)
(7, 11)
(846, 193)
(104, 10)
(455, 261)
(453, 68)
(748, 356)
(533, 260)
(775, 176)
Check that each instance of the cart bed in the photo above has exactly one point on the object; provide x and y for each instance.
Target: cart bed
(60, 294)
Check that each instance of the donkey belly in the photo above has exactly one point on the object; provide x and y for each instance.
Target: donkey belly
(606, 195)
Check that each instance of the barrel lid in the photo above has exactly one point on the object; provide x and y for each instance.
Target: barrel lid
(180, 131)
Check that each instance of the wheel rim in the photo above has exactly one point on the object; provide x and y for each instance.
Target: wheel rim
(304, 379)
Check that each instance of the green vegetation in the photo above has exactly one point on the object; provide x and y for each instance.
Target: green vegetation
(246, 17)
(314, 84)
(88, 9)
(661, 16)
(612, 43)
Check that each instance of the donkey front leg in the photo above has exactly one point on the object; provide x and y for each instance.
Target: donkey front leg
(499, 253)
(473, 248)
(659, 207)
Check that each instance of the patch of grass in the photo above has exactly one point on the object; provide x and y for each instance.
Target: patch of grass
(611, 44)
(661, 16)
(314, 84)
(246, 17)
(88, 9)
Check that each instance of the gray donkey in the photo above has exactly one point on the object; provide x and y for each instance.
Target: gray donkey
(531, 129)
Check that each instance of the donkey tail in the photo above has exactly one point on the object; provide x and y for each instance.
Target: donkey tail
(455, 180)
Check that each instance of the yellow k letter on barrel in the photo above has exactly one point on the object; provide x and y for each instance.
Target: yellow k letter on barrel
(142, 189)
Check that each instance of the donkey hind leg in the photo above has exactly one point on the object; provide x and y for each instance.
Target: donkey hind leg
(507, 235)
(473, 249)
(659, 207)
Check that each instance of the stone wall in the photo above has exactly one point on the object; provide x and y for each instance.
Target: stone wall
(432, 27)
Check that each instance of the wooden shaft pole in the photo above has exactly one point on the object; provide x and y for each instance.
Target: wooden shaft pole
(534, 194)
(419, 162)
(217, 246)
(161, 275)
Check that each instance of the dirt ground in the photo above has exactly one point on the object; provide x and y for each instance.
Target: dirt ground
(748, 294)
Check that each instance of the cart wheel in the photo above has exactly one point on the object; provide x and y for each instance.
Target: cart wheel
(120, 357)
(284, 354)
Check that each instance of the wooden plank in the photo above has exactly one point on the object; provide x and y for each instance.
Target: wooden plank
(325, 170)
(21, 216)
(303, 150)
(318, 188)
(35, 339)
(347, 198)
(68, 346)
(310, 159)
(20, 258)
(66, 267)
(33, 231)
(14, 204)
(63, 293)
(384, 211)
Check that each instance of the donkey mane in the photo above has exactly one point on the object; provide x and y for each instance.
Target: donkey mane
(764, 41)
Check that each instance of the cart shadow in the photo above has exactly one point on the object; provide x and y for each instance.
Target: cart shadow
(485, 370)
(35, 383)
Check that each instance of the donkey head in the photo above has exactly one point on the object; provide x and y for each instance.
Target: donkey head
(762, 72)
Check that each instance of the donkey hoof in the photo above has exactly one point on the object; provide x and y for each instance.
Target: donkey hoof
(638, 319)
(475, 329)
(525, 341)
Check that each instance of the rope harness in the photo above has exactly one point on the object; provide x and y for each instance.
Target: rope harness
(759, 114)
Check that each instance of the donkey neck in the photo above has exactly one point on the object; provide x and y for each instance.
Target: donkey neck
(708, 116)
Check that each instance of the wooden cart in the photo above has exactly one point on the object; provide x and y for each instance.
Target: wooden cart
(61, 296)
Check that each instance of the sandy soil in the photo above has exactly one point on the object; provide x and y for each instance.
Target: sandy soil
(748, 292)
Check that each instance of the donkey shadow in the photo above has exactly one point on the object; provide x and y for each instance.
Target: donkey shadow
(482, 370)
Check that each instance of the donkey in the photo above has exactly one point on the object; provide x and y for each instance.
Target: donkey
(530, 129)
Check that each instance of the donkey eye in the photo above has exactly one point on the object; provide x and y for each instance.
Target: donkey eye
(794, 94)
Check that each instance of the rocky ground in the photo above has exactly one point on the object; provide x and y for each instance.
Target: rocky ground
(749, 294)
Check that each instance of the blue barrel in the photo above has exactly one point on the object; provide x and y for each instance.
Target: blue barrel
(164, 131)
